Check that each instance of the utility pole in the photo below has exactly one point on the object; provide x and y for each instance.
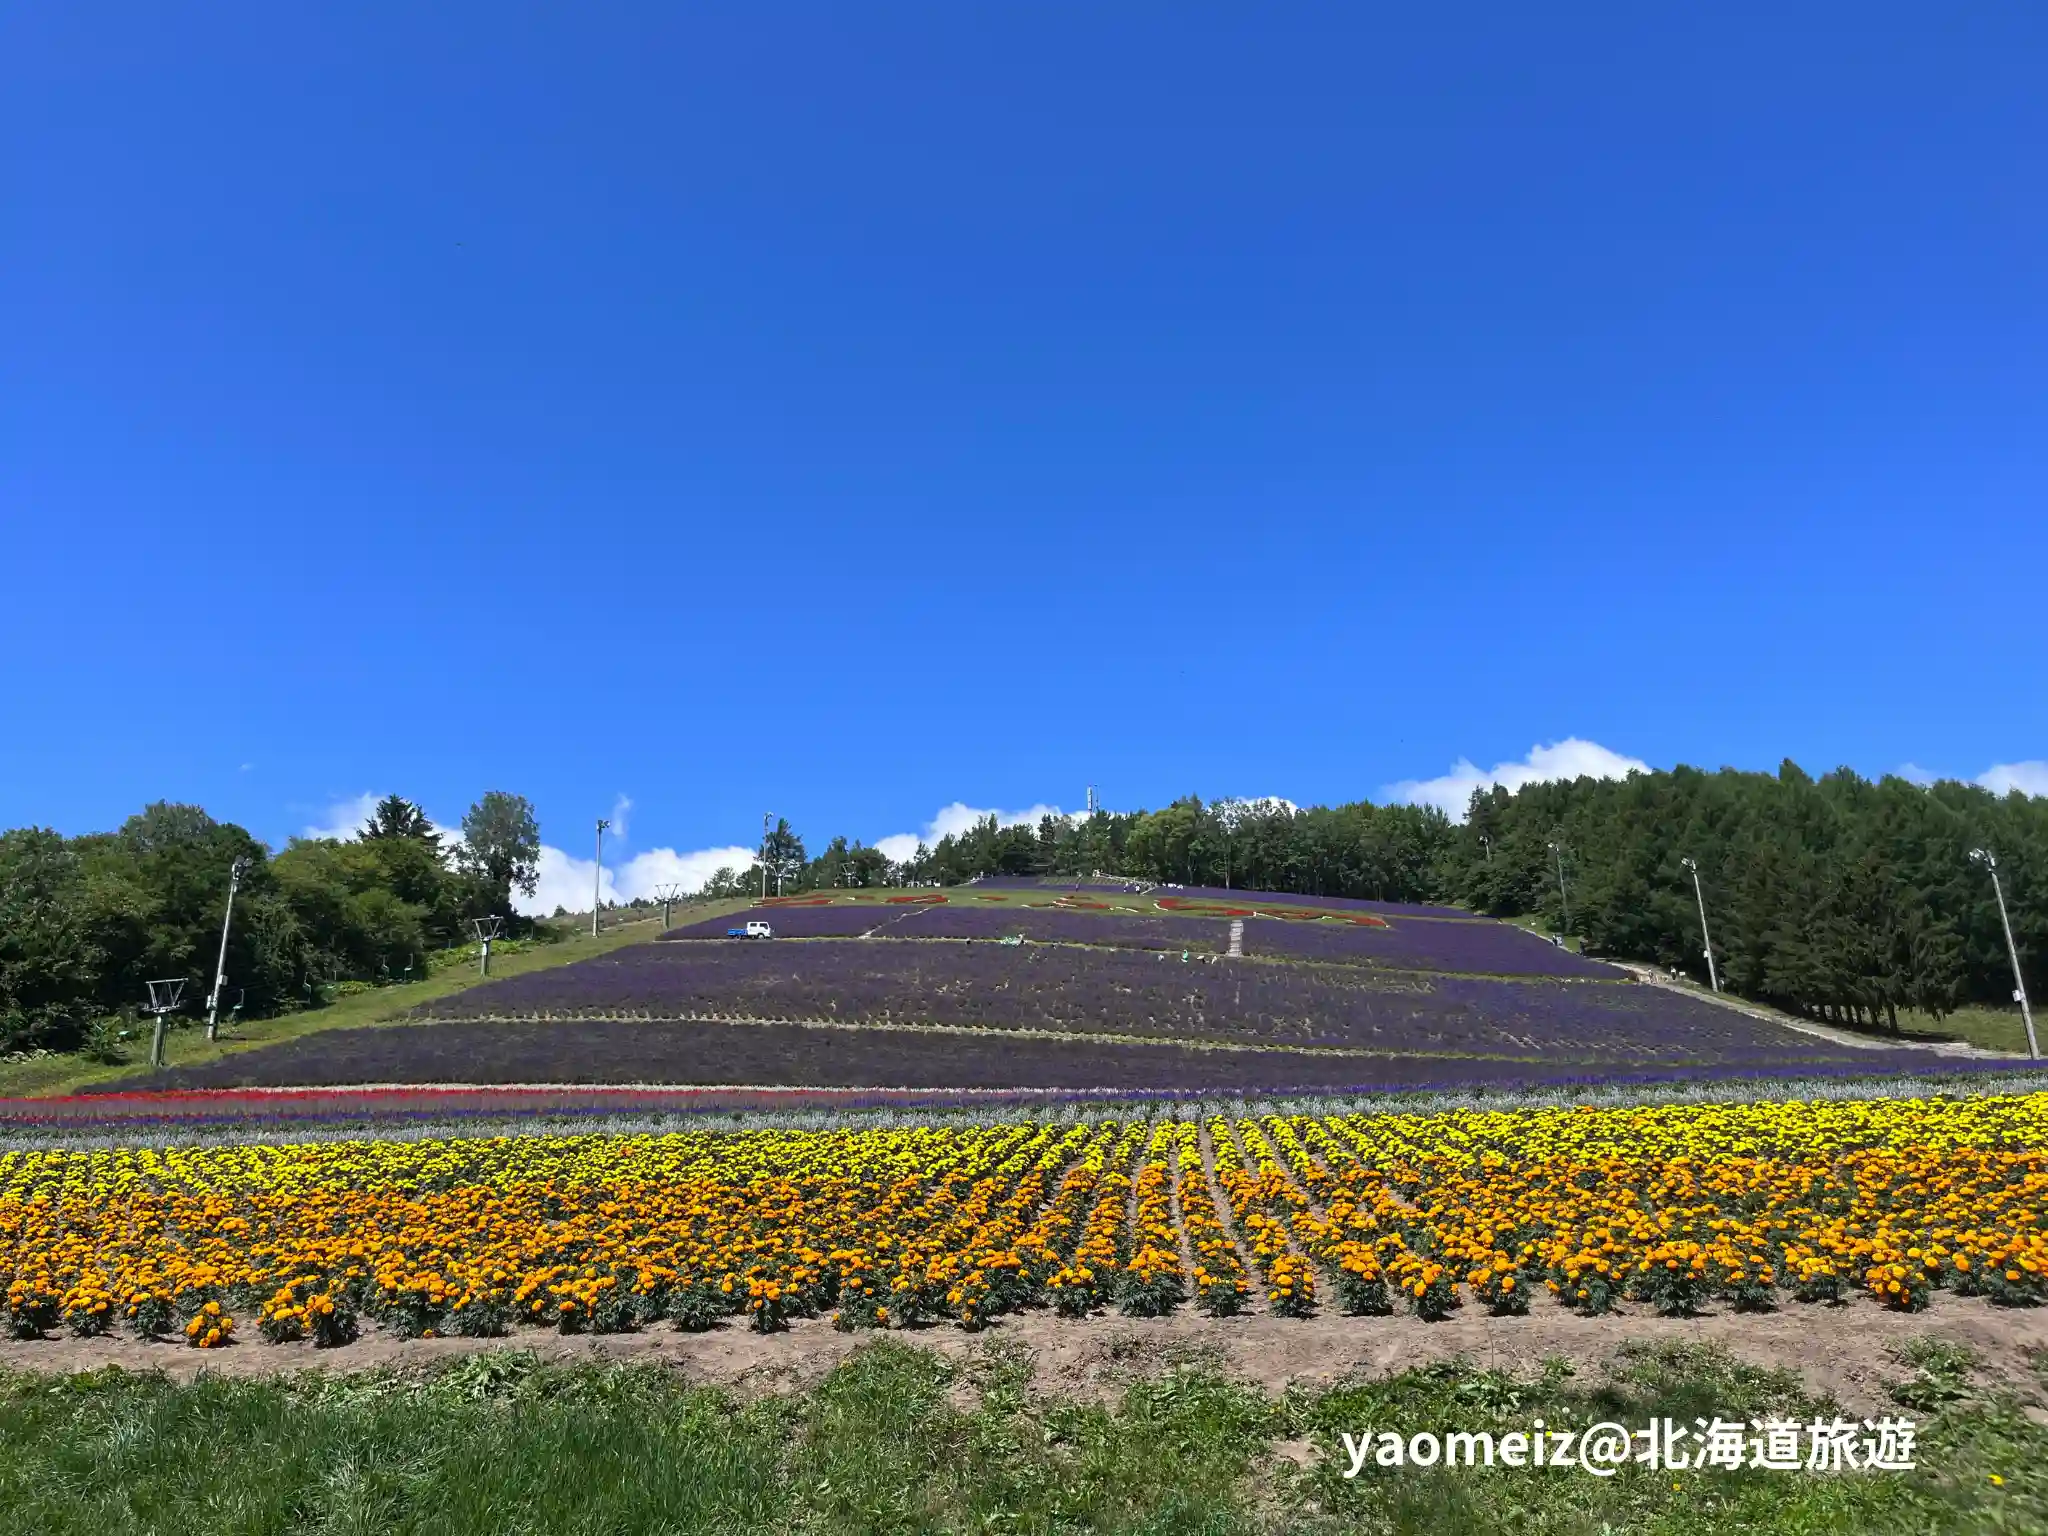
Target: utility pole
(766, 817)
(1713, 977)
(2019, 983)
(235, 872)
(1563, 895)
(597, 880)
(1486, 842)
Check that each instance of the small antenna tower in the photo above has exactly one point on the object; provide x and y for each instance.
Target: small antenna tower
(667, 895)
(487, 929)
(1093, 804)
(164, 997)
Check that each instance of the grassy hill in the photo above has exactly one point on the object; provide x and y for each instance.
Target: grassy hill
(186, 1046)
(1056, 988)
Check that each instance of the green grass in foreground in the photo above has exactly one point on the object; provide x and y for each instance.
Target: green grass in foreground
(500, 1444)
(187, 1045)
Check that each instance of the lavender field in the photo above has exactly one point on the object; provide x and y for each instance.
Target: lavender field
(1048, 883)
(1115, 930)
(914, 995)
(800, 922)
(597, 1051)
(1044, 925)
(1222, 897)
(1470, 949)
(1463, 948)
(1151, 995)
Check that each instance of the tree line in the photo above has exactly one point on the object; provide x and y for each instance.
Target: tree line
(1384, 852)
(87, 922)
(1842, 898)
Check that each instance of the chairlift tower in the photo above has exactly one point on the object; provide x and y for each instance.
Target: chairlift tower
(487, 929)
(164, 997)
(667, 895)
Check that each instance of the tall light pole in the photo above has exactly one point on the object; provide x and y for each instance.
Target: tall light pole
(597, 880)
(1557, 847)
(2019, 983)
(1705, 938)
(220, 965)
(766, 817)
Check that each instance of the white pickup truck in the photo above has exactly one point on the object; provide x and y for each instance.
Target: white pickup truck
(755, 930)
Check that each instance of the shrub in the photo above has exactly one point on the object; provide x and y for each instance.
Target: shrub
(32, 1311)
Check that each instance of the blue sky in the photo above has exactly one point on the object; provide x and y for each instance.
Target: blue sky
(856, 411)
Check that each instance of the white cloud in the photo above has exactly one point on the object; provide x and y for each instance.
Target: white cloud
(567, 881)
(954, 819)
(1568, 759)
(345, 818)
(1232, 810)
(640, 875)
(2029, 778)
(622, 808)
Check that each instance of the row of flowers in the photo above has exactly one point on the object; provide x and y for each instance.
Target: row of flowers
(1673, 1207)
(1286, 911)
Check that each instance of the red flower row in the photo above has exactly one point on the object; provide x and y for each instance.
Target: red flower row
(288, 1105)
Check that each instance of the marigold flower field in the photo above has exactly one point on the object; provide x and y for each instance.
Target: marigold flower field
(1675, 1207)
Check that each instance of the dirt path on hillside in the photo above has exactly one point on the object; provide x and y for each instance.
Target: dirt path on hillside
(1847, 1352)
(1828, 1032)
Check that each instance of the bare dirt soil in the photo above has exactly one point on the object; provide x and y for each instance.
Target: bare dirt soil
(1848, 1352)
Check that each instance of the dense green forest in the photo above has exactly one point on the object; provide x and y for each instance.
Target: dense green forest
(1837, 897)
(86, 922)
